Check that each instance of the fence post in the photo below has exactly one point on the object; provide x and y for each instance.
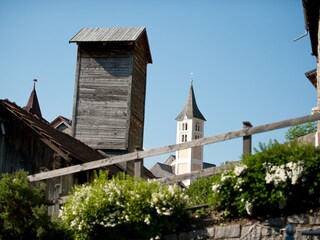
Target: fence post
(138, 166)
(247, 140)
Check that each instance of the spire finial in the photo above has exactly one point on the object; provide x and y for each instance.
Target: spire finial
(34, 83)
(191, 74)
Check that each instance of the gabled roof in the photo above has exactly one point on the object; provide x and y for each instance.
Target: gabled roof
(116, 34)
(161, 170)
(63, 144)
(59, 120)
(33, 106)
(170, 159)
(191, 109)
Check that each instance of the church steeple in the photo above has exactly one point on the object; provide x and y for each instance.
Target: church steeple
(190, 126)
(33, 106)
(191, 109)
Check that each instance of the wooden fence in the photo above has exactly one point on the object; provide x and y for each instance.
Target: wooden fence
(245, 133)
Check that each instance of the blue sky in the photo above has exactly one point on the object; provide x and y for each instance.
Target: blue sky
(245, 65)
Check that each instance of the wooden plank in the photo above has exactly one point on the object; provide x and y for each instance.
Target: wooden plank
(83, 167)
(195, 174)
(171, 148)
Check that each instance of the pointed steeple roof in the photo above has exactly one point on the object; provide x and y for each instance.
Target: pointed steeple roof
(33, 106)
(191, 109)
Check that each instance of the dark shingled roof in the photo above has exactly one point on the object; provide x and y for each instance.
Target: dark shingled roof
(191, 109)
(161, 170)
(208, 165)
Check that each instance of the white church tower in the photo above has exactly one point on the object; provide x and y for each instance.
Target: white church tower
(190, 126)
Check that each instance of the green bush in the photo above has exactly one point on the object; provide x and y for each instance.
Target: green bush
(123, 208)
(200, 192)
(280, 179)
(23, 210)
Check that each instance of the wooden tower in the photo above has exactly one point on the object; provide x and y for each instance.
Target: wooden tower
(110, 87)
(190, 126)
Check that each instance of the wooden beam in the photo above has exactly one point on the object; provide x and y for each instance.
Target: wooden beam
(195, 174)
(247, 140)
(171, 148)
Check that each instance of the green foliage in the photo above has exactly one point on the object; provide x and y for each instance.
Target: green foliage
(23, 210)
(300, 130)
(123, 208)
(280, 179)
(200, 192)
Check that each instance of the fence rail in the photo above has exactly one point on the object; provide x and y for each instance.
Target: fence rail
(245, 132)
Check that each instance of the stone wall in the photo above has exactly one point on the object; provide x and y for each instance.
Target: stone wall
(253, 230)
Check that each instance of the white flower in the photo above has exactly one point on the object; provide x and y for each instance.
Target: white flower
(238, 183)
(249, 208)
(224, 177)
(239, 169)
(147, 220)
(278, 174)
(216, 187)
(295, 171)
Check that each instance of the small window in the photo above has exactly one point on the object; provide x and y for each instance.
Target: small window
(184, 138)
(198, 127)
(184, 126)
(196, 136)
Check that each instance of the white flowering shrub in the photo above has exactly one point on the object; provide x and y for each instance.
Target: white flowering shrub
(122, 208)
(279, 179)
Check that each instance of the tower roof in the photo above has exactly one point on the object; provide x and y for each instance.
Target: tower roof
(115, 34)
(191, 109)
(33, 106)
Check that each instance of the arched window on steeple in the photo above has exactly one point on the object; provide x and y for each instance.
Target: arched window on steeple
(184, 126)
(198, 127)
(184, 138)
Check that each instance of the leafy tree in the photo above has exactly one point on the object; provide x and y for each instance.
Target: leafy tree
(23, 210)
(300, 130)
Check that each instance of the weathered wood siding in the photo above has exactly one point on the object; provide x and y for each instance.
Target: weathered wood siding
(20, 149)
(110, 95)
(102, 95)
(138, 94)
